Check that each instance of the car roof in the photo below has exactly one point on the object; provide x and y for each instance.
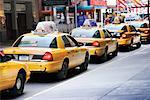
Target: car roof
(54, 34)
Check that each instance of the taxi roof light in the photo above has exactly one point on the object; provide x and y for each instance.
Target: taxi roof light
(47, 56)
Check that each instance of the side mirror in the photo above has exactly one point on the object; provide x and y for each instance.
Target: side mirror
(6, 58)
(80, 44)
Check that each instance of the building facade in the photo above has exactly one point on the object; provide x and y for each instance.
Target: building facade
(17, 17)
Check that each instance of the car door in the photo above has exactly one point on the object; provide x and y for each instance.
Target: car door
(136, 36)
(111, 42)
(6, 74)
(79, 52)
(71, 53)
(1, 76)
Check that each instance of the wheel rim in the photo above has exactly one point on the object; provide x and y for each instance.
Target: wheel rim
(18, 84)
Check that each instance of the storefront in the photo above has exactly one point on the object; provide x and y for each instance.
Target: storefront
(100, 6)
(2, 22)
(16, 18)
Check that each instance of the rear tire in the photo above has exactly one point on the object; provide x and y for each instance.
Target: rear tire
(115, 53)
(19, 85)
(138, 44)
(129, 47)
(62, 74)
(104, 57)
(84, 65)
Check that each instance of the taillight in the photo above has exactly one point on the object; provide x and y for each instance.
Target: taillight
(47, 56)
(124, 36)
(146, 32)
(96, 44)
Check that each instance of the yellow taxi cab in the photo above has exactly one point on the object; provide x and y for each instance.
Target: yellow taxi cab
(142, 27)
(126, 35)
(97, 40)
(49, 52)
(13, 75)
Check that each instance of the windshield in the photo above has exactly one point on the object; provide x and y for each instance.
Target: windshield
(34, 41)
(85, 33)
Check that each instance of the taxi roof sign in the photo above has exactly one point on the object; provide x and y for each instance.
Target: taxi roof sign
(45, 27)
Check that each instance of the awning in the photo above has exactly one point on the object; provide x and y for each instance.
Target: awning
(85, 8)
(100, 7)
(72, 9)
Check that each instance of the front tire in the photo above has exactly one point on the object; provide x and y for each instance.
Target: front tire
(84, 65)
(19, 85)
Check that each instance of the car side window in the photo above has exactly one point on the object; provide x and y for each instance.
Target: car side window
(144, 25)
(72, 41)
(54, 43)
(97, 34)
(106, 33)
(18, 41)
(124, 29)
(132, 28)
(66, 41)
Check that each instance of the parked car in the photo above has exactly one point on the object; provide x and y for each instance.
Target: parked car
(126, 35)
(97, 40)
(49, 53)
(143, 28)
(13, 75)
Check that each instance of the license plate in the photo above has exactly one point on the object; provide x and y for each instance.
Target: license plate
(23, 57)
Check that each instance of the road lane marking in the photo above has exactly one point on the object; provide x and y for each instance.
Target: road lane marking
(59, 85)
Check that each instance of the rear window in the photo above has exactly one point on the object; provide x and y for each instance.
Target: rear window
(85, 33)
(36, 41)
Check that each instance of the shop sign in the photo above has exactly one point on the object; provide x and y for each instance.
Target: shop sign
(20, 7)
(55, 2)
(98, 2)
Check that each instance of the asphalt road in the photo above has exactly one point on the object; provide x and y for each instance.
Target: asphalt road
(125, 77)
